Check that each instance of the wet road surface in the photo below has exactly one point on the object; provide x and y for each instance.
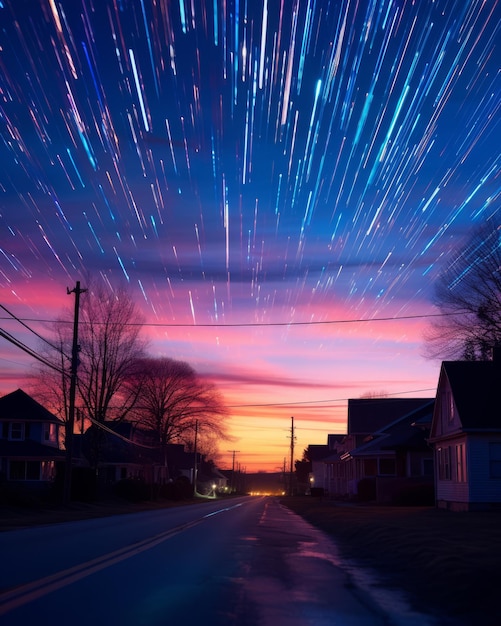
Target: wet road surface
(245, 562)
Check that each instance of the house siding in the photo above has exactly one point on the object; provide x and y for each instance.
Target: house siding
(485, 490)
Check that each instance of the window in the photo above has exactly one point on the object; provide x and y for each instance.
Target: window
(17, 470)
(450, 401)
(495, 460)
(16, 432)
(49, 432)
(24, 470)
(32, 470)
(448, 405)
(48, 470)
(444, 463)
(460, 463)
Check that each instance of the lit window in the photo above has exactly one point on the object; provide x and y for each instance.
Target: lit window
(48, 468)
(460, 463)
(49, 432)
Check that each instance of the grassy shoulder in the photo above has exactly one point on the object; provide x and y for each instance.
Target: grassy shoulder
(448, 563)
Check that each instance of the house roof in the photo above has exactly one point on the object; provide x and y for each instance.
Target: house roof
(19, 405)
(405, 432)
(317, 452)
(369, 415)
(132, 445)
(332, 440)
(476, 388)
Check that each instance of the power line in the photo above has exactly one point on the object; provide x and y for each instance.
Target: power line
(258, 324)
(22, 322)
(398, 393)
(19, 344)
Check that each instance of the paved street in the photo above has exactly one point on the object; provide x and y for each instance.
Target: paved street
(246, 561)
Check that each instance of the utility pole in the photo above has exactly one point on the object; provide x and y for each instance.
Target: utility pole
(73, 385)
(232, 482)
(291, 485)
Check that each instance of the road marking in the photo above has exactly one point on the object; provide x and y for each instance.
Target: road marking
(23, 594)
(228, 508)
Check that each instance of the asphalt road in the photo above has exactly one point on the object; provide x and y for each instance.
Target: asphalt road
(245, 562)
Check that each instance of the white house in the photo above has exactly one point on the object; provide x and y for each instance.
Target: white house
(466, 435)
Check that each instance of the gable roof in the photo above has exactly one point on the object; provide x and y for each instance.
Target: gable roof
(369, 415)
(318, 451)
(475, 386)
(408, 432)
(126, 443)
(19, 405)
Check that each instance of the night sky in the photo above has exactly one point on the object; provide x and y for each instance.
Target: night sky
(262, 175)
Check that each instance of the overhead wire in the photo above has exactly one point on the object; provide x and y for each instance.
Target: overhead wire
(22, 322)
(259, 324)
(291, 404)
(19, 344)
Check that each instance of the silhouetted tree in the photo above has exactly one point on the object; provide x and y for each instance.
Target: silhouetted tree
(303, 469)
(468, 293)
(173, 398)
(109, 341)
(374, 394)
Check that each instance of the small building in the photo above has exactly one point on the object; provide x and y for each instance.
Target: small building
(367, 420)
(124, 451)
(29, 441)
(466, 435)
(395, 465)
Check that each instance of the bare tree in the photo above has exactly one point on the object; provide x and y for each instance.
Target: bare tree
(172, 399)
(468, 293)
(109, 342)
(50, 383)
(375, 394)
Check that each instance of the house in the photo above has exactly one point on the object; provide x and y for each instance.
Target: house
(122, 450)
(466, 435)
(319, 455)
(366, 418)
(385, 443)
(29, 441)
(395, 464)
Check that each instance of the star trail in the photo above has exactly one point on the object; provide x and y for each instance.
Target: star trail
(251, 163)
